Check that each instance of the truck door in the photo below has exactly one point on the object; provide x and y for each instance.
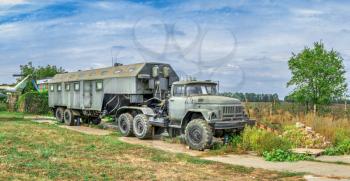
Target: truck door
(87, 94)
(177, 104)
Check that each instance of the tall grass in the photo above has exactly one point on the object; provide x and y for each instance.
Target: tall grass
(333, 122)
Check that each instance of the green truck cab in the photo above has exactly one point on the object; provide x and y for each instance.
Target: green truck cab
(193, 109)
(200, 113)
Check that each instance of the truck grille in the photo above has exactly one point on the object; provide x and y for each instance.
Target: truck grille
(232, 111)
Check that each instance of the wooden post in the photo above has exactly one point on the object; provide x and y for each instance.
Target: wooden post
(315, 109)
(345, 104)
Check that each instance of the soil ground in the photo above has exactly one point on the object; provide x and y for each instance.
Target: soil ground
(327, 171)
(33, 151)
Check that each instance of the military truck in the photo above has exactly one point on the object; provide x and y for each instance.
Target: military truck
(147, 99)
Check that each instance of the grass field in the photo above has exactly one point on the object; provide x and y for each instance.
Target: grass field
(32, 151)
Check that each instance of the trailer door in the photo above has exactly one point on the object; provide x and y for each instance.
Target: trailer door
(87, 94)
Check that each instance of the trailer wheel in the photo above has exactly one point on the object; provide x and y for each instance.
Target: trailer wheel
(125, 124)
(198, 135)
(142, 128)
(60, 114)
(69, 117)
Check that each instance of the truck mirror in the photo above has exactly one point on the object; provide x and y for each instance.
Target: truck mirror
(155, 71)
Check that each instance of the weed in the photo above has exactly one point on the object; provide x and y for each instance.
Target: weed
(261, 141)
(160, 158)
(290, 174)
(240, 169)
(280, 155)
(341, 148)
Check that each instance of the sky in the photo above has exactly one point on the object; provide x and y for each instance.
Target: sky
(243, 44)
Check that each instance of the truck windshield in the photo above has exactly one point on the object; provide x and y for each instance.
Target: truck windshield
(200, 90)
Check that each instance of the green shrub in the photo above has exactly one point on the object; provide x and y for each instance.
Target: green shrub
(342, 148)
(261, 141)
(279, 155)
(34, 102)
(341, 135)
(3, 106)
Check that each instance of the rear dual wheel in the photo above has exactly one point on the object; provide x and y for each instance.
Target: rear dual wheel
(138, 126)
(142, 127)
(125, 125)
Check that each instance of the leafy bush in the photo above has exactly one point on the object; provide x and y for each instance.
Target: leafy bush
(342, 148)
(261, 141)
(34, 102)
(3, 106)
(341, 135)
(294, 136)
(279, 155)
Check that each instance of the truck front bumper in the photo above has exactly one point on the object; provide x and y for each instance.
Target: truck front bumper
(236, 124)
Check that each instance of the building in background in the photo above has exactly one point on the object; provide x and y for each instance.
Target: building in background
(43, 84)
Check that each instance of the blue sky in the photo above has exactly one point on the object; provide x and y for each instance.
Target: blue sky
(243, 43)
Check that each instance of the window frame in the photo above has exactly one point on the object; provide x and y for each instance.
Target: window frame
(67, 87)
(75, 87)
(59, 87)
(52, 88)
(97, 83)
(175, 94)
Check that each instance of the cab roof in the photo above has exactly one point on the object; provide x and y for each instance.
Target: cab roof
(187, 82)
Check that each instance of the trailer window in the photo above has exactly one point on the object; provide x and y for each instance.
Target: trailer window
(52, 88)
(99, 85)
(76, 86)
(179, 90)
(59, 87)
(67, 86)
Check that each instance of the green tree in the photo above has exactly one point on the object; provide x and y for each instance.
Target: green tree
(318, 76)
(38, 73)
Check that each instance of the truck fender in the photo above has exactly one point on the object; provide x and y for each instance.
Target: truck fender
(206, 114)
(145, 110)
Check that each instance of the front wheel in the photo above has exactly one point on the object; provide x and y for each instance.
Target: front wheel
(198, 135)
(142, 128)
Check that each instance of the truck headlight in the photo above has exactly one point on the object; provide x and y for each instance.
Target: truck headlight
(213, 116)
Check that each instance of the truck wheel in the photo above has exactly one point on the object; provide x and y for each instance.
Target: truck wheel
(96, 121)
(142, 128)
(198, 135)
(125, 124)
(60, 114)
(69, 117)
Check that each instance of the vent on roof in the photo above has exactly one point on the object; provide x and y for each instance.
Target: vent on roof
(118, 64)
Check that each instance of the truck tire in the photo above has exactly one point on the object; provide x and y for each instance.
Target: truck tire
(198, 135)
(142, 127)
(125, 125)
(96, 121)
(60, 114)
(69, 117)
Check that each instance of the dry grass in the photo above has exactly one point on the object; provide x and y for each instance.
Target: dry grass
(334, 125)
(32, 151)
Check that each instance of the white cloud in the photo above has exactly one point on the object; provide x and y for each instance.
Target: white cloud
(9, 2)
(266, 33)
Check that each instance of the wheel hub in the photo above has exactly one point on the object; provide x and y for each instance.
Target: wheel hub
(123, 125)
(195, 135)
(139, 127)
